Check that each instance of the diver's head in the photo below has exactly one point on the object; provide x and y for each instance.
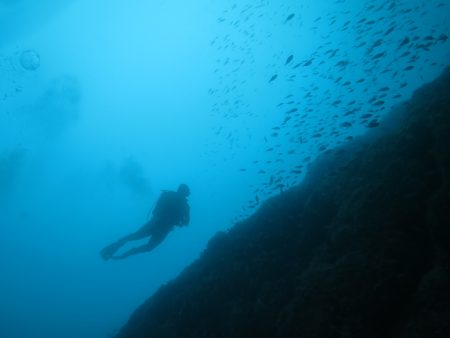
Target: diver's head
(184, 190)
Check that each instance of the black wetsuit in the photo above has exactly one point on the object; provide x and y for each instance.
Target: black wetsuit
(171, 210)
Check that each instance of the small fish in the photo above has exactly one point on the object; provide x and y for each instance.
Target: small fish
(442, 38)
(286, 119)
(366, 116)
(289, 59)
(342, 63)
(333, 53)
(273, 78)
(389, 31)
(405, 54)
(280, 186)
(373, 124)
(405, 41)
(377, 43)
(290, 17)
(293, 110)
(379, 55)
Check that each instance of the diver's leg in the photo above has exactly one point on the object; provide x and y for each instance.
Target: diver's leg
(154, 241)
(111, 249)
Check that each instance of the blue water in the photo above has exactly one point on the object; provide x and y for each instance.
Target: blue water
(103, 104)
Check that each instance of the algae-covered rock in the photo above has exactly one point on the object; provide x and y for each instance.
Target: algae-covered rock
(360, 249)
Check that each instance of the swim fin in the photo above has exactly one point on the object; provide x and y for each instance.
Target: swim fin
(110, 250)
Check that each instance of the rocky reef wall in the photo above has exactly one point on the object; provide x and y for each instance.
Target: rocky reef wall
(360, 249)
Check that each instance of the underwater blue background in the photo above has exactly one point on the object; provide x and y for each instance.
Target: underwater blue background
(103, 104)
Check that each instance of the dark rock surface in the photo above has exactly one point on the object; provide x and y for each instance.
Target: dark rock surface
(360, 249)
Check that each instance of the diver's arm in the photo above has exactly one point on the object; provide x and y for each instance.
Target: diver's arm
(186, 217)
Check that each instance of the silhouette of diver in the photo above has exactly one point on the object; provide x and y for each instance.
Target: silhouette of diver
(171, 210)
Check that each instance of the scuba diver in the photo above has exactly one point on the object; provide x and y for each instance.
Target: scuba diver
(171, 210)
